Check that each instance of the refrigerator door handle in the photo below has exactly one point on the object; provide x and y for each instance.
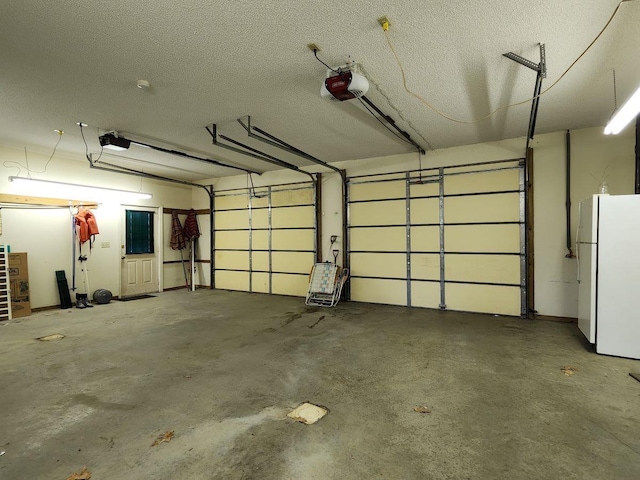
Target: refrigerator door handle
(578, 228)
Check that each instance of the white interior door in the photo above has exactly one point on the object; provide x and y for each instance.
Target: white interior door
(139, 266)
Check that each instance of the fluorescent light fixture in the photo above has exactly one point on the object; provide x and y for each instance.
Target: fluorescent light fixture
(112, 142)
(628, 112)
(72, 191)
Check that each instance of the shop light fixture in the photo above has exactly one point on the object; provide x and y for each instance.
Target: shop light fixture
(624, 115)
(48, 188)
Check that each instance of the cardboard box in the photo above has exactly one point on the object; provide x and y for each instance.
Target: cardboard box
(19, 278)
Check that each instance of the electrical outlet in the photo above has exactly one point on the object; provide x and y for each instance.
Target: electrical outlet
(313, 46)
(105, 245)
(382, 20)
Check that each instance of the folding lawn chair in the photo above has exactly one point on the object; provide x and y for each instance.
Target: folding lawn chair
(325, 284)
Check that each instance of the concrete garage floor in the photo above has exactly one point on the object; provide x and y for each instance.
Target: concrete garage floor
(222, 370)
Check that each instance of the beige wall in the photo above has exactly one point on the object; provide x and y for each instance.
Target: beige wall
(593, 155)
(46, 234)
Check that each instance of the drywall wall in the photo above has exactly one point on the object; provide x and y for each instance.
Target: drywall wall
(46, 235)
(594, 156)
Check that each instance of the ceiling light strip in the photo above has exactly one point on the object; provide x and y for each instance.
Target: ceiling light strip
(66, 189)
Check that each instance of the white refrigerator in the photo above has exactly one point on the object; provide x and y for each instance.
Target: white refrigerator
(608, 253)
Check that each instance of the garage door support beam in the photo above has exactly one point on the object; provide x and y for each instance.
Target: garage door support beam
(541, 70)
(250, 151)
(443, 303)
(274, 141)
(192, 157)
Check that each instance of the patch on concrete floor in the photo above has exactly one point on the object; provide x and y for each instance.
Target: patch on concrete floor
(635, 375)
(48, 338)
(83, 475)
(568, 371)
(308, 413)
(421, 409)
(163, 437)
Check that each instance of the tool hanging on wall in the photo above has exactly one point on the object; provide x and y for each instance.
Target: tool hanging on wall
(178, 241)
(191, 232)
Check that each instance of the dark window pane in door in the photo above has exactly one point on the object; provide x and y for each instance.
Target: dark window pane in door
(139, 232)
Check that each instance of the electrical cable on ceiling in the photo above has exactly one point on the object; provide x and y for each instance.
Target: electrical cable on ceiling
(315, 53)
(19, 166)
(501, 107)
(86, 147)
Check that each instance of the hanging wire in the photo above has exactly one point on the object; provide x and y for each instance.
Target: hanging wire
(19, 166)
(315, 54)
(86, 147)
(501, 107)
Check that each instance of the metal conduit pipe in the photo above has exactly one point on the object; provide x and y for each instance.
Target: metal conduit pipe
(570, 253)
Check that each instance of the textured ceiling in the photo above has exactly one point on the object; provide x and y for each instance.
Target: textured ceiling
(214, 62)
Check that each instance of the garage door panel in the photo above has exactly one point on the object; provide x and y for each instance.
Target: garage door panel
(425, 210)
(425, 239)
(232, 280)
(292, 197)
(292, 217)
(483, 298)
(482, 167)
(226, 202)
(492, 181)
(232, 239)
(392, 292)
(376, 191)
(297, 262)
(425, 294)
(260, 282)
(260, 218)
(260, 261)
(482, 208)
(378, 213)
(292, 239)
(429, 189)
(379, 265)
(379, 239)
(296, 285)
(483, 268)
(482, 238)
(232, 220)
(232, 260)
(259, 239)
(260, 199)
(425, 266)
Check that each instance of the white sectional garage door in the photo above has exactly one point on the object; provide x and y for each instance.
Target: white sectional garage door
(265, 239)
(450, 238)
